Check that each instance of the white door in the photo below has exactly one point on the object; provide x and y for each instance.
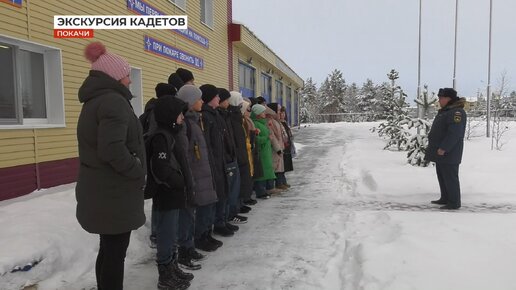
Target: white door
(136, 89)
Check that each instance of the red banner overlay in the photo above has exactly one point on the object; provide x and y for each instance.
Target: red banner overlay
(73, 33)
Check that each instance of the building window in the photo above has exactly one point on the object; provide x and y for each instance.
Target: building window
(179, 3)
(31, 85)
(279, 92)
(288, 99)
(295, 120)
(207, 12)
(266, 87)
(246, 80)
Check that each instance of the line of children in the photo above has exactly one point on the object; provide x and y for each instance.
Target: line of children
(216, 150)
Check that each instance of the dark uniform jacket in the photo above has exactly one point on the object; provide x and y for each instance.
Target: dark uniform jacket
(246, 182)
(230, 154)
(447, 133)
(198, 157)
(213, 132)
(109, 188)
(181, 152)
(166, 167)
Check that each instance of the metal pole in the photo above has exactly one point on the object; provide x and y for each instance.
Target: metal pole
(488, 130)
(419, 54)
(419, 115)
(455, 45)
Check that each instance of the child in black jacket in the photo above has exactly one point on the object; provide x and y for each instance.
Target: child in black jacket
(167, 171)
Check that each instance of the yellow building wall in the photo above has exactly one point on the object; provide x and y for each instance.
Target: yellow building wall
(242, 53)
(34, 22)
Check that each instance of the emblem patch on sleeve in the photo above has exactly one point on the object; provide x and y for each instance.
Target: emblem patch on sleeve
(457, 117)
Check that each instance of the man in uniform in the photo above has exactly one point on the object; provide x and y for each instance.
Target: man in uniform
(445, 146)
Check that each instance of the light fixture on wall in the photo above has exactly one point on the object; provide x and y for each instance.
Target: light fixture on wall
(270, 71)
(280, 78)
(250, 60)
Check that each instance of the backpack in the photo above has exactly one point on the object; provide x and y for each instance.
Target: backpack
(147, 118)
(152, 182)
(145, 121)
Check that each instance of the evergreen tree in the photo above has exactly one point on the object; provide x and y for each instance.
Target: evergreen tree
(309, 102)
(349, 99)
(393, 128)
(419, 142)
(332, 92)
(368, 100)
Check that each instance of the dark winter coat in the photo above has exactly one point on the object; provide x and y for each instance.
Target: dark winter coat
(170, 163)
(447, 133)
(109, 188)
(246, 182)
(287, 152)
(213, 133)
(263, 143)
(198, 157)
(165, 166)
(230, 154)
(181, 151)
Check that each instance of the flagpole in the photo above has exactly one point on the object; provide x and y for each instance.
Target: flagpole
(488, 131)
(419, 54)
(455, 46)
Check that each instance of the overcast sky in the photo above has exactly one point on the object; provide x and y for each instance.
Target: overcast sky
(366, 38)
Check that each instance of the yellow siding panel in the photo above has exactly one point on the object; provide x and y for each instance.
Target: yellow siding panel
(8, 134)
(17, 148)
(60, 156)
(55, 144)
(16, 162)
(57, 151)
(51, 139)
(56, 132)
(16, 141)
(13, 156)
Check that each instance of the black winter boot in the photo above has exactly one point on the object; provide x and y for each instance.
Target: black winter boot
(168, 280)
(196, 256)
(223, 231)
(214, 241)
(205, 245)
(180, 274)
(185, 260)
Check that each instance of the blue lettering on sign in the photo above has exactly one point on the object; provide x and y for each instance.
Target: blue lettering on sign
(155, 46)
(17, 3)
(142, 8)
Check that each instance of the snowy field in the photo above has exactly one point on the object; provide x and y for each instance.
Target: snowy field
(357, 217)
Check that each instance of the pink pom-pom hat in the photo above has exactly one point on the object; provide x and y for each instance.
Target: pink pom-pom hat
(113, 65)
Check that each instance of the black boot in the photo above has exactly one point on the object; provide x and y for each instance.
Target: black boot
(196, 256)
(168, 280)
(185, 260)
(223, 231)
(232, 227)
(439, 201)
(214, 241)
(205, 245)
(245, 209)
(250, 201)
(182, 275)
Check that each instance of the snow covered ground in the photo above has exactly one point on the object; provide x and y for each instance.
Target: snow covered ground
(357, 217)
